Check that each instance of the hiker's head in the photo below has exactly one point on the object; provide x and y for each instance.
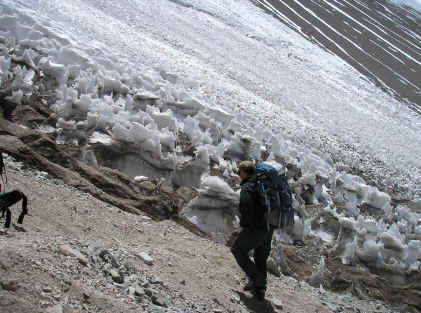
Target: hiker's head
(246, 169)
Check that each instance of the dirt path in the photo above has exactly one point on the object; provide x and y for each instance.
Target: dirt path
(196, 274)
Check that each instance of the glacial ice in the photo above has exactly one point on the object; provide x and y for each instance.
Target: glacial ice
(316, 278)
(16, 97)
(4, 68)
(215, 208)
(190, 172)
(103, 98)
(56, 70)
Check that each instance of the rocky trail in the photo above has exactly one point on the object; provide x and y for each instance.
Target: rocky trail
(80, 254)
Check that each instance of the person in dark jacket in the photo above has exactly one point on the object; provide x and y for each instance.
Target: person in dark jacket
(254, 234)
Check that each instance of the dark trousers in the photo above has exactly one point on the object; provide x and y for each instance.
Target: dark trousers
(260, 240)
(10, 198)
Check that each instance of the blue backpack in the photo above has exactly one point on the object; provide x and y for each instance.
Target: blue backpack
(275, 196)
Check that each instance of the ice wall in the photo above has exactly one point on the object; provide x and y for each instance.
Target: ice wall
(245, 62)
(215, 207)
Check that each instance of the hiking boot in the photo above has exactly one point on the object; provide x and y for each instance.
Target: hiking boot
(19, 228)
(259, 293)
(249, 286)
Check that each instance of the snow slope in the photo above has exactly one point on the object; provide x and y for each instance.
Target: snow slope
(233, 55)
(136, 73)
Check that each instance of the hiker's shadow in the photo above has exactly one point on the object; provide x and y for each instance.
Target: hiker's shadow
(254, 305)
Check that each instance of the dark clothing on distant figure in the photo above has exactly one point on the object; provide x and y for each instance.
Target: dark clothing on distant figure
(10, 198)
(251, 210)
(254, 235)
(260, 240)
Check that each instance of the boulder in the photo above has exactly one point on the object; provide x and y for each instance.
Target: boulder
(69, 251)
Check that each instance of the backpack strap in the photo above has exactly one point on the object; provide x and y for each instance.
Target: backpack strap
(269, 209)
(263, 198)
(280, 211)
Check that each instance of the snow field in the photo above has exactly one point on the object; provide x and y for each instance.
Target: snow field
(105, 102)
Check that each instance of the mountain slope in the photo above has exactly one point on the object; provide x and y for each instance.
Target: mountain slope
(380, 40)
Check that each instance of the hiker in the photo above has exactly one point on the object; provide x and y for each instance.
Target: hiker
(255, 233)
(8, 199)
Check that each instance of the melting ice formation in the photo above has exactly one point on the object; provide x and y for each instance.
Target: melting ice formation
(150, 125)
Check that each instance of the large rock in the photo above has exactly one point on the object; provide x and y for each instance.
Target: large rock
(69, 251)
